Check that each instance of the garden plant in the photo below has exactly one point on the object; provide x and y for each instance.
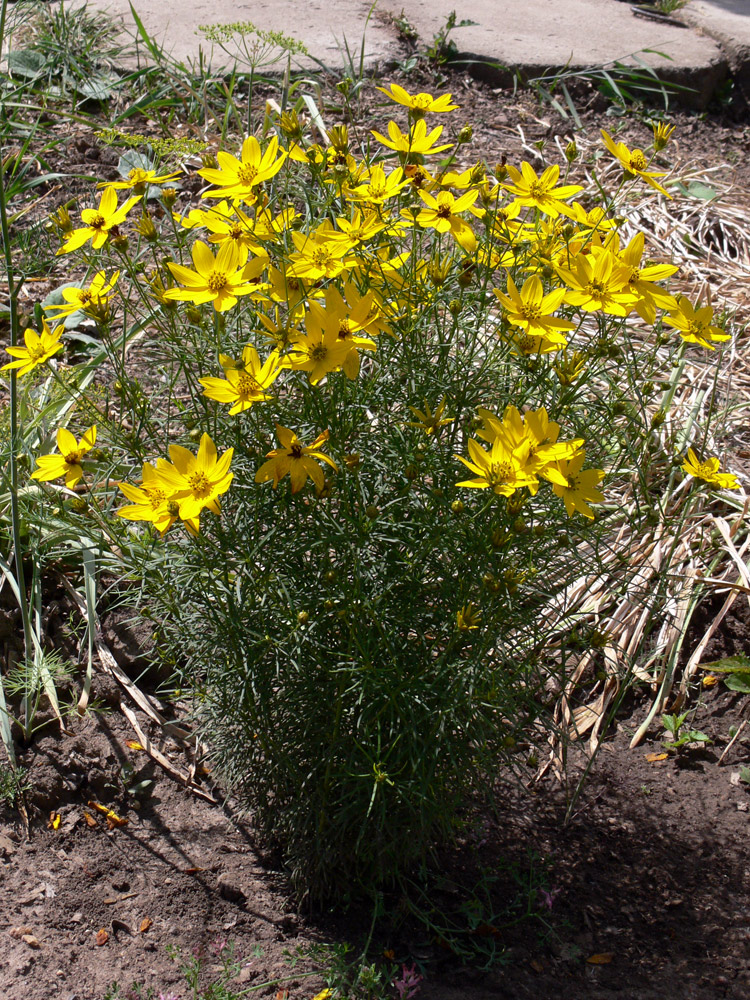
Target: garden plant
(358, 426)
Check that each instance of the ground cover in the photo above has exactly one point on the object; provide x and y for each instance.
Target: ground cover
(575, 908)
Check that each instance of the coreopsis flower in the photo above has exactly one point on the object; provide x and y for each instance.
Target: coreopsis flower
(634, 163)
(226, 222)
(152, 501)
(532, 310)
(246, 381)
(68, 462)
(442, 214)
(708, 471)
(695, 324)
(139, 179)
(197, 481)
(642, 277)
(360, 228)
(468, 617)
(416, 142)
(581, 486)
(532, 191)
(428, 421)
(321, 350)
(238, 179)
(219, 280)
(532, 437)
(377, 187)
(295, 459)
(420, 104)
(500, 469)
(38, 348)
(99, 223)
(662, 134)
(598, 282)
(316, 258)
(92, 300)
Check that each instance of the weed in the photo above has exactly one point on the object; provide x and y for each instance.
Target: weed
(14, 783)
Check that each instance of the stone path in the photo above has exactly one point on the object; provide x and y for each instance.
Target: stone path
(529, 37)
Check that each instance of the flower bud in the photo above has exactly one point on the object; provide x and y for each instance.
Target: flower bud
(571, 151)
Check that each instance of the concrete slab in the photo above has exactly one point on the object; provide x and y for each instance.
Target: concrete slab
(529, 38)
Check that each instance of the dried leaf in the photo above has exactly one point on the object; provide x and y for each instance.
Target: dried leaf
(134, 745)
(30, 940)
(89, 819)
(281, 995)
(536, 965)
(192, 871)
(101, 937)
(53, 822)
(145, 924)
(98, 806)
(603, 959)
(654, 758)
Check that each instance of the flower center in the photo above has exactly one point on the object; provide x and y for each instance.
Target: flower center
(421, 102)
(637, 161)
(537, 192)
(73, 457)
(173, 508)
(321, 258)
(319, 352)
(296, 451)
(156, 496)
(217, 281)
(247, 174)
(530, 312)
(199, 484)
(345, 329)
(247, 387)
(499, 473)
(98, 222)
(596, 289)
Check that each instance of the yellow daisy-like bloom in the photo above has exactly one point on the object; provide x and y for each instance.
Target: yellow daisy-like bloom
(316, 258)
(39, 347)
(468, 618)
(245, 382)
(151, 501)
(239, 178)
(695, 324)
(197, 481)
(419, 104)
(708, 471)
(428, 421)
(139, 179)
(299, 461)
(219, 280)
(416, 142)
(532, 310)
(500, 470)
(662, 134)
(600, 284)
(634, 163)
(581, 486)
(92, 300)
(99, 222)
(442, 214)
(532, 191)
(642, 277)
(377, 187)
(68, 462)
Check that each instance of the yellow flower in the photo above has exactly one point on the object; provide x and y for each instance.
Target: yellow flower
(238, 178)
(468, 617)
(500, 470)
(540, 192)
(442, 214)
(428, 421)
(245, 383)
(320, 350)
(416, 142)
(419, 104)
(599, 284)
(151, 501)
(196, 481)
(39, 348)
(533, 439)
(662, 134)
(377, 188)
(219, 280)
(99, 222)
(532, 310)
(138, 180)
(296, 459)
(642, 277)
(316, 258)
(695, 324)
(708, 471)
(581, 486)
(68, 462)
(92, 300)
(634, 163)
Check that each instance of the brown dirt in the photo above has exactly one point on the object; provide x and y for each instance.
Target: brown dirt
(650, 874)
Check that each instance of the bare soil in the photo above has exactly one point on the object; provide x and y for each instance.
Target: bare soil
(642, 893)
